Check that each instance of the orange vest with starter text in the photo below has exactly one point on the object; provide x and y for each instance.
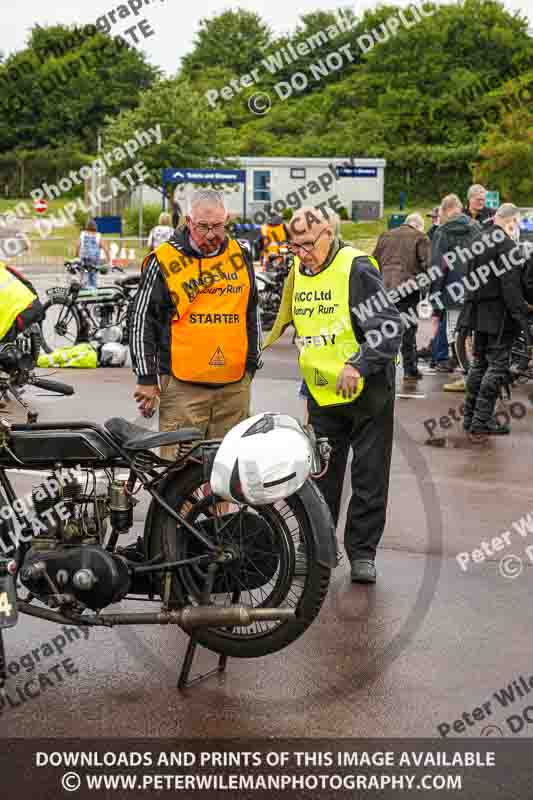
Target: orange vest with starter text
(209, 338)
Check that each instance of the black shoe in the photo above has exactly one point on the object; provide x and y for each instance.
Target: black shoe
(424, 354)
(492, 428)
(467, 425)
(415, 376)
(362, 570)
(444, 366)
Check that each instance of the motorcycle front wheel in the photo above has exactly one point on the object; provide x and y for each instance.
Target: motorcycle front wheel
(61, 325)
(275, 564)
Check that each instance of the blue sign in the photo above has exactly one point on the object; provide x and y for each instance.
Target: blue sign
(357, 172)
(175, 175)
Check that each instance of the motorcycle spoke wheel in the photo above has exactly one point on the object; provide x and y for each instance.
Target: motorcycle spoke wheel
(273, 564)
(264, 575)
(60, 326)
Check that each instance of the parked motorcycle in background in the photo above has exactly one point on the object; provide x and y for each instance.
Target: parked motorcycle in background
(270, 285)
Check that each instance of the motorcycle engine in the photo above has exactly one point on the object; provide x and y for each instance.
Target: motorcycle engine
(87, 575)
(67, 562)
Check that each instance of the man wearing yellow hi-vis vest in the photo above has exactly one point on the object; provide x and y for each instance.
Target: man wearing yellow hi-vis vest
(348, 337)
(19, 305)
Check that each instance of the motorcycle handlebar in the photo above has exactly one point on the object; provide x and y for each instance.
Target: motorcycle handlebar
(53, 386)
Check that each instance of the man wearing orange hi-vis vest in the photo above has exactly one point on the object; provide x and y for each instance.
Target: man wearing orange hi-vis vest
(195, 334)
(348, 337)
(273, 239)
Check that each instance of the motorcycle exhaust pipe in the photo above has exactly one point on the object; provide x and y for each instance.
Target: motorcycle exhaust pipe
(189, 617)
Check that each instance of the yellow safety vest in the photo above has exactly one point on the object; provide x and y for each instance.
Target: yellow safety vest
(321, 316)
(14, 298)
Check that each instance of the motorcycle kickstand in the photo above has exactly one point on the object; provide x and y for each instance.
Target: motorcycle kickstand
(184, 682)
(3, 665)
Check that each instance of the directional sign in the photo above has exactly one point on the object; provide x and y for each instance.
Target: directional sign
(492, 200)
(357, 172)
(174, 175)
(41, 206)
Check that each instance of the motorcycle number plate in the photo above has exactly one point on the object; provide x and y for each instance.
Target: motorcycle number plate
(57, 291)
(8, 602)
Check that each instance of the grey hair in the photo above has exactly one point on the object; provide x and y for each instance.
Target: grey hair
(415, 220)
(476, 188)
(329, 215)
(207, 197)
(448, 203)
(508, 211)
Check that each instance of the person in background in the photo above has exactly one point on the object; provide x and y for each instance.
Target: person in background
(496, 311)
(162, 231)
(434, 217)
(425, 353)
(476, 208)
(454, 236)
(89, 246)
(176, 214)
(273, 236)
(402, 253)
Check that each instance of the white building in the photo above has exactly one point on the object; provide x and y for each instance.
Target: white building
(278, 183)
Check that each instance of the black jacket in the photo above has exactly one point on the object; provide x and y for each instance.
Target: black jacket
(483, 216)
(153, 310)
(498, 305)
(453, 238)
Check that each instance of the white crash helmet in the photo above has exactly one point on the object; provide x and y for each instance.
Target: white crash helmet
(113, 354)
(262, 460)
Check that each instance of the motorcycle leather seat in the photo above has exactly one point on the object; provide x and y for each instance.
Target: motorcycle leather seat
(264, 276)
(129, 282)
(133, 437)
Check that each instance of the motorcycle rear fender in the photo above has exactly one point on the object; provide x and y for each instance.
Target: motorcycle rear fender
(321, 524)
(320, 520)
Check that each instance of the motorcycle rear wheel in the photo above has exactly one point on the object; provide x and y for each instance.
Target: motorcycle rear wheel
(276, 566)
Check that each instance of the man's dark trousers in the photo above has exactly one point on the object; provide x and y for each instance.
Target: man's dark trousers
(409, 358)
(488, 373)
(365, 425)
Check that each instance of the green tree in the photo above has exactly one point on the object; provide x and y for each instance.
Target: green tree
(505, 159)
(233, 40)
(63, 85)
(190, 136)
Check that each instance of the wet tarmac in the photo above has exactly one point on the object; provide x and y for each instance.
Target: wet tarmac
(435, 638)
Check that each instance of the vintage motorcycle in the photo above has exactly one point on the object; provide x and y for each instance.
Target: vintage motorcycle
(244, 579)
(75, 313)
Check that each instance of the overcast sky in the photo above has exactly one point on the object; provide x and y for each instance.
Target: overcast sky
(173, 21)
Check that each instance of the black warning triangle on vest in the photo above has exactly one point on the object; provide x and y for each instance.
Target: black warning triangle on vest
(218, 359)
(319, 379)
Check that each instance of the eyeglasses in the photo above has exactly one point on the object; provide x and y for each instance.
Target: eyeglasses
(307, 247)
(203, 228)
